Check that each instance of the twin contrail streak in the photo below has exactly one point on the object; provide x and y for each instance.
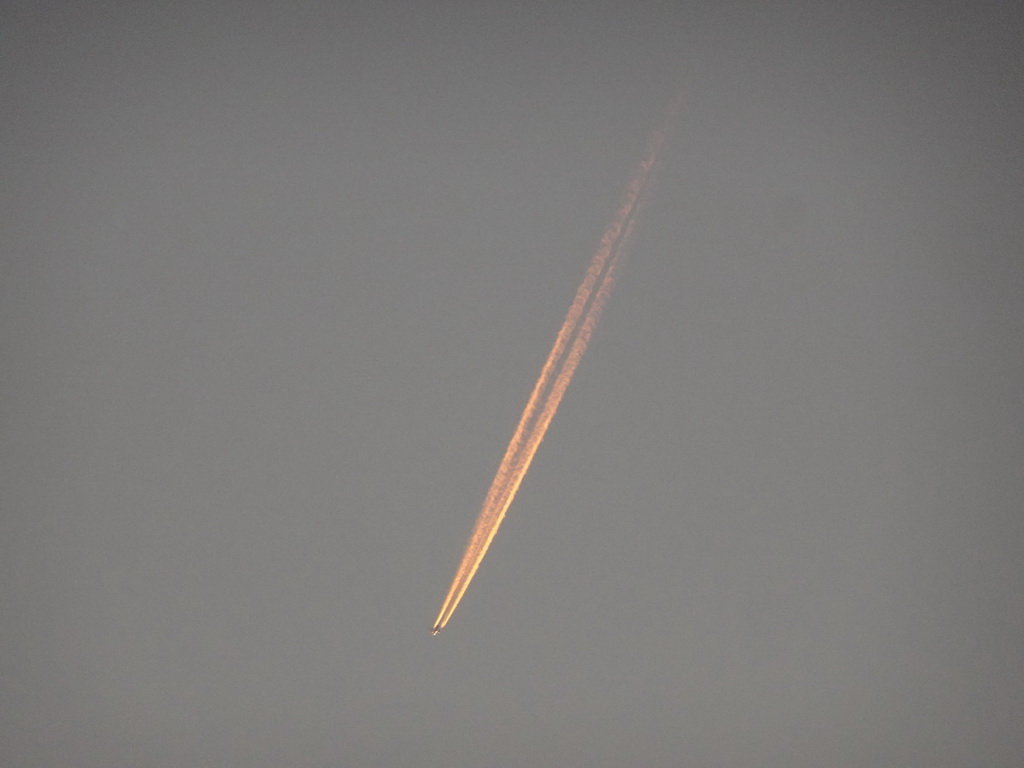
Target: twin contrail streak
(566, 353)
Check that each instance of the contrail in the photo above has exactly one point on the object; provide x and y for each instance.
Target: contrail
(554, 358)
(533, 425)
(492, 515)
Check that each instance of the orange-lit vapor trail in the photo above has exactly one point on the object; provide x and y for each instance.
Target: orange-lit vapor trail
(566, 353)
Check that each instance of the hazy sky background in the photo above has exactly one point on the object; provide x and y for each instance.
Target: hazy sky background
(277, 280)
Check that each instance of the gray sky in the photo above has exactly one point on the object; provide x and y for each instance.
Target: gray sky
(277, 281)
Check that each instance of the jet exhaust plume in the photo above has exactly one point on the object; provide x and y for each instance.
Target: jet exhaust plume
(566, 353)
